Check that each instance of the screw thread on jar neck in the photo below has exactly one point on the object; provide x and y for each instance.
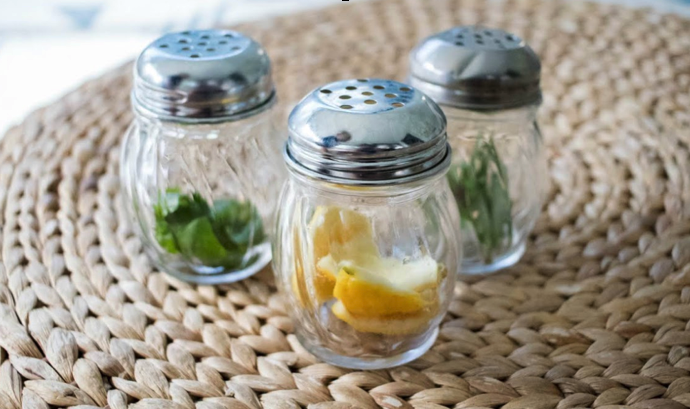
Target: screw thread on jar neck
(525, 113)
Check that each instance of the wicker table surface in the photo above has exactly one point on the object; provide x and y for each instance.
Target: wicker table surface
(595, 315)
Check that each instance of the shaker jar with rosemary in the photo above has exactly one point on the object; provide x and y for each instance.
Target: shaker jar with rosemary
(201, 162)
(487, 83)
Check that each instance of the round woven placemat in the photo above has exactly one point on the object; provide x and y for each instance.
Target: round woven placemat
(595, 315)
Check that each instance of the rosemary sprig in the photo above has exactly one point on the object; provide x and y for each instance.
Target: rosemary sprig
(480, 187)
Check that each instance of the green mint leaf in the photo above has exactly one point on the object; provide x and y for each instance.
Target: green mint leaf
(188, 208)
(163, 234)
(196, 240)
(171, 200)
(166, 203)
(237, 224)
(214, 236)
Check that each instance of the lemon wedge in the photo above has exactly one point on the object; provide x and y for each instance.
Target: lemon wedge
(366, 294)
(299, 287)
(416, 275)
(401, 324)
(387, 296)
(332, 227)
(297, 281)
(336, 233)
(375, 294)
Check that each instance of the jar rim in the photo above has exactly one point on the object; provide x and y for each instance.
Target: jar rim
(439, 169)
(142, 110)
(385, 132)
(477, 68)
(180, 77)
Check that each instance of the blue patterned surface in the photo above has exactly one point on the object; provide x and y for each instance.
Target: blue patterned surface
(82, 17)
(162, 15)
(143, 15)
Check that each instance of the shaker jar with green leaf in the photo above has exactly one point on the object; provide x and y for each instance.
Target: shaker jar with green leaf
(220, 234)
(486, 81)
(201, 163)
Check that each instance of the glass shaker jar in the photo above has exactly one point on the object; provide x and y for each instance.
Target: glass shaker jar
(487, 83)
(365, 249)
(201, 164)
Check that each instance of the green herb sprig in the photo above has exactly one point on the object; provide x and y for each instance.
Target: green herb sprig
(216, 236)
(480, 187)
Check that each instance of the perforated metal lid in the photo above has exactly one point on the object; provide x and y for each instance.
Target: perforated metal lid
(367, 132)
(205, 75)
(476, 68)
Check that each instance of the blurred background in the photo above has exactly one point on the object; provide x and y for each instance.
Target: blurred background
(48, 47)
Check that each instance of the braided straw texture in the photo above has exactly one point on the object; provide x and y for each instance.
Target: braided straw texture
(595, 315)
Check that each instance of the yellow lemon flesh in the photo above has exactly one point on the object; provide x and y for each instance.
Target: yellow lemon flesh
(388, 302)
(402, 324)
(299, 287)
(374, 294)
(337, 232)
(298, 282)
(382, 277)
(323, 286)
(366, 294)
(333, 226)
(416, 275)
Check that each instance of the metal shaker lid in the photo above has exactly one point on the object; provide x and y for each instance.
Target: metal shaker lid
(367, 132)
(202, 76)
(476, 68)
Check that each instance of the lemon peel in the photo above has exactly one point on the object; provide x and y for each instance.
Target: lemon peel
(404, 324)
(374, 294)
(370, 295)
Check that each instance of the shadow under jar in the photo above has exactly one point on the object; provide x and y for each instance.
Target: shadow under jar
(201, 164)
(365, 249)
(487, 83)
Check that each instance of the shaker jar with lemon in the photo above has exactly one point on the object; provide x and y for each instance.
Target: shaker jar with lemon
(366, 250)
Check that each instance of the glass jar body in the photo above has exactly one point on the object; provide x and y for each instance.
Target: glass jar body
(202, 195)
(498, 178)
(368, 272)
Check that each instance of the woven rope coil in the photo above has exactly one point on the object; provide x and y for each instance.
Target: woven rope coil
(595, 315)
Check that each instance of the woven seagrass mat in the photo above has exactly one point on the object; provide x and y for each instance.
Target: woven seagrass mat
(595, 315)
